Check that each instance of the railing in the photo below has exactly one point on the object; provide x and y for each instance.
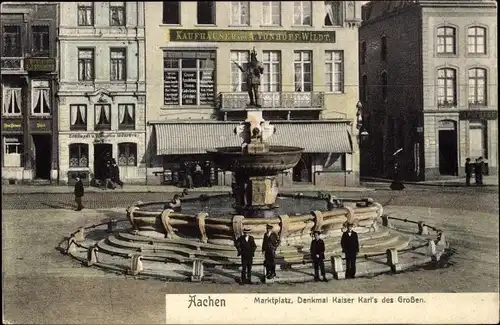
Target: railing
(16, 63)
(273, 100)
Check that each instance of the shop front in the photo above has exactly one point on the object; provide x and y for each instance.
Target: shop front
(327, 158)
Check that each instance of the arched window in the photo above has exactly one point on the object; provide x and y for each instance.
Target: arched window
(383, 48)
(127, 154)
(384, 85)
(362, 57)
(446, 40)
(78, 155)
(447, 87)
(477, 87)
(476, 40)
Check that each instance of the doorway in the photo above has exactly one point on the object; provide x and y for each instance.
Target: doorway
(448, 161)
(102, 153)
(302, 171)
(43, 155)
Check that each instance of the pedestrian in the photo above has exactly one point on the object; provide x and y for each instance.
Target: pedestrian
(350, 247)
(115, 173)
(207, 174)
(468, 171)
(481, 169)
(318, 256)
(246, 249)
(198, 175)
(188, 176)
(107, 176)
(79, 191)
(269, 245)
(477, 171)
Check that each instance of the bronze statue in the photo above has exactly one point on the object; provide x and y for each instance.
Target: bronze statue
(253, 71)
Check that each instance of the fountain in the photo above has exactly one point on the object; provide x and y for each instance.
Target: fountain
(165, 243)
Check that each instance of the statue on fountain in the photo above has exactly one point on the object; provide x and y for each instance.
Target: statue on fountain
(254, 69)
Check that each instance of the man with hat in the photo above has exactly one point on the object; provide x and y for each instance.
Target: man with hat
(246, 249)
(350, 246)
(79, 191)
(318, 256)
(269, 245)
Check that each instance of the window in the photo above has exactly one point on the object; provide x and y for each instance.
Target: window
(447, 87)
(126, 116)
(12, 101)
(364, 88)
(127, 154)
(12, 42)
(303, 71)
(271, 78)
(383, 48)
(302, 13)
(78, 155)
(118, 64)
(333, 13)
(40, 40)
(446, 40)
(477, 87)
(171, 12)
(240, 14)
(206, 12)
(189, 78)
(85, 64)
(13, 150)
(238, 79)
(363, 53)
(476, 40)
(117, 14)
(271, 13)
(334, 69)
(78, 117)
(86, 15)
(384, 83)
(40, 97)
(103, 117)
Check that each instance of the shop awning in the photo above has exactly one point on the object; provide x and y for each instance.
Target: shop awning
(196, 138)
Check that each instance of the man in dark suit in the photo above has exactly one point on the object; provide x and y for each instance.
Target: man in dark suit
(246, 249)
(79, 190)
(468, 171)
(269, 245)
(350, 246)
(318, 256)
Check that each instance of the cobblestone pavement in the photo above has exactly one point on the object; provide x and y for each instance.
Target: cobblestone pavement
(42, 286)
(484, 199)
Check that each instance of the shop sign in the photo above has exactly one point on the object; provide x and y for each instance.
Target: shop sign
(40, 64)
(12, 125)
(40, 125)
(103, 136)
(478, 115)
(273, 36)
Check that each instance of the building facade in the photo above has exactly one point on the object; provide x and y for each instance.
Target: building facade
(197, 94)
(29, 85)
(428, 83)
(102, 89)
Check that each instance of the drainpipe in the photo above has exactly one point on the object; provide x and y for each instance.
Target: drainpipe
(141, 56)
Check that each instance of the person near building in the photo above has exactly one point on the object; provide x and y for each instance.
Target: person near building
(198, 175)
(246, 247)
(318, 256)
(108, 172)
(350, 247)
(478, 170)
(79, 192)
(115, 173)
(175, 204)
(207, 174)
(188, 177)
(468, 171)
(269, 245)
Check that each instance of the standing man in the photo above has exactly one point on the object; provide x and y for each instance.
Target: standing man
(79, 190)
(481, 169)
(477, 172)
(318, 256)
(115, 173)
(246, 249)
(350, 246)
(207, 174)
(269, 245)
(468, 171)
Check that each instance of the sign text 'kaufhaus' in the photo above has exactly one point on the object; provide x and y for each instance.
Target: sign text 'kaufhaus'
(226, 35)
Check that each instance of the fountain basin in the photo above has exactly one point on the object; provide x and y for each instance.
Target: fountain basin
(277, 159)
